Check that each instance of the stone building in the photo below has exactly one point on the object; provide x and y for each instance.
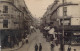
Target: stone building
(71, 17)
(55, 10)
(14, 14)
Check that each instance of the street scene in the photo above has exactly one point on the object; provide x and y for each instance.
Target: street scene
(45, 25)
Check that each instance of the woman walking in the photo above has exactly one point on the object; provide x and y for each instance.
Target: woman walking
(36, 47)
(40, 47)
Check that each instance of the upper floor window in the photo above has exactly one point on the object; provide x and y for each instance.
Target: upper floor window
(5, 9)
(5, 23)
(65, 11)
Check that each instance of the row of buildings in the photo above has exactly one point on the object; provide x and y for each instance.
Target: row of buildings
(55, 11)
(15, 18)
(69, 12)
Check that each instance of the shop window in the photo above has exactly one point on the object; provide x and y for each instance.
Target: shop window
(5, 9)
(5, 23)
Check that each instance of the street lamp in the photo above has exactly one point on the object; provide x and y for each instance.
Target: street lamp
(62, 45)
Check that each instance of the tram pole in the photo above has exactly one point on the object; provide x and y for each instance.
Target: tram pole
(62, 47)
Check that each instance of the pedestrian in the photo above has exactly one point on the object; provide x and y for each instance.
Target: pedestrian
(31, 28)
(40, 47)
(51, 33)
(74, 49)
(9, 40)
(52, 47)
(47, 28)
(36, 47)
(23, 41)
(26, 39)
(17, 42)
(12, 44)
(69, 48)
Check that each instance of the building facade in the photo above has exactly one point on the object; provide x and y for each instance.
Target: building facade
(71, 12)
(14, 14)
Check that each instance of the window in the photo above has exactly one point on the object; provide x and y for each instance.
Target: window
(65, 11)
(5, 23)
(5, 9)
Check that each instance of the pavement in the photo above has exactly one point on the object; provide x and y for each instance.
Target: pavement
(72, 48)
(37, 38)
(13, 49)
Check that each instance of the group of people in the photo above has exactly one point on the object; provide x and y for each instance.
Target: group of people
(25, 34)
(25, 39)
(49, 32)
(38, 48)
(32, 29)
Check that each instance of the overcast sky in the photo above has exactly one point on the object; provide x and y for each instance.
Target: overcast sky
(38, 7)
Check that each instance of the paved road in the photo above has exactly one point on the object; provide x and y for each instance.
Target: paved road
(36, 38)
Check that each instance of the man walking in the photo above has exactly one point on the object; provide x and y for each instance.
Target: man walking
(40, 47)
(36, 47)
(52, 47)
(69, 48)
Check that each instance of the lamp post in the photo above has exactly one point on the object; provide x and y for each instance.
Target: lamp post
(62, 44)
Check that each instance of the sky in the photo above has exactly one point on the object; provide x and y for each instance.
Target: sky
(38, 7)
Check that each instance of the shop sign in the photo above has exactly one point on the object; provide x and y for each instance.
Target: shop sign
(76, 33)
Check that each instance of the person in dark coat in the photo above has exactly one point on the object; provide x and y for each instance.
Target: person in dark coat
(36, 47)
(40, 47)
(52, 47)
(69, 48)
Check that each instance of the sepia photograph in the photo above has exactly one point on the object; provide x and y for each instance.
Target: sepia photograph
(39, 25)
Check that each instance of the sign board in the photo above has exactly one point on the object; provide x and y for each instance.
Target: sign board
(66, 22)
(77, 33)
(75, 21)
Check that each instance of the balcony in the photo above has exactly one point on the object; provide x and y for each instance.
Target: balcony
(7, 1)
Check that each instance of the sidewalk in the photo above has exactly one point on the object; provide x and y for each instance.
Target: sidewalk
(15, 47)
(72, 48)
(12, 49)
(57, 48)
